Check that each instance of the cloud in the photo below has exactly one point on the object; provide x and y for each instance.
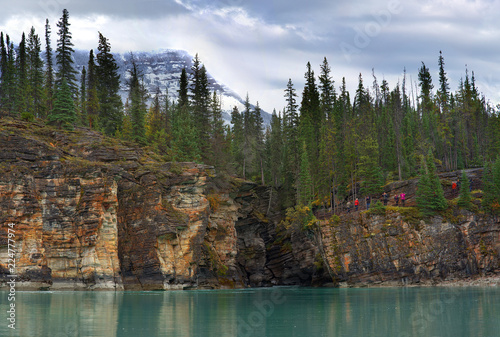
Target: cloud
(257, 45)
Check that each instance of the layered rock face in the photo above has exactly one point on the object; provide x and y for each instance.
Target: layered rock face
(399, 249)
(90, 212)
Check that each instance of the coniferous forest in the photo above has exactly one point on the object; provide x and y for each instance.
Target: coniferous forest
(324, 145)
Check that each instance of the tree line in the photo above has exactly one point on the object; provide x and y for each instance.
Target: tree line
(326, 148)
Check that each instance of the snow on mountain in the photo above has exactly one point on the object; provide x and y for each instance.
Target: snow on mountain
(162, 69)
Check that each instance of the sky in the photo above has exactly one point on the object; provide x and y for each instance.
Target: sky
(255, 46)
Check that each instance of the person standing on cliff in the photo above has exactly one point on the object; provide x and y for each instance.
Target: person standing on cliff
(356, 204)
(453, 189)
(385, 197)
(368, 199)
(348, 207)
(396, 199)
(403, 196)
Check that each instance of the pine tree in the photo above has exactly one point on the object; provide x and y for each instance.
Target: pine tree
(49, 69)
(430, 195)
(304, 188)
(21, 78)
(64, 53)
(328, 95)
(369, 170)
(219, 146)
(275, 143)
(83, 118)
(155, 126)
(137, 108)
(291, 150)
(35, 76)
(108, 85)
(491, 187)
(4, 89)
(238, 139)
(184, 144)
(200, 101)
(9, 80)
(92, 103)
(63, 114)
(183, 89)
(465, 198)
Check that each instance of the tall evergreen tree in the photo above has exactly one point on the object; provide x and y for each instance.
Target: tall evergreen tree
(491, 187)
(92, 103)
(430, 195)
(35, 76)
(328, 95)
(137, 108)
(63, 115)
(465, 198)
(64, 54)
(4, 90)
(83, 118)
(108, 85)
(200, 101)
(49, 69)
(183, 89)
(238, 140)
(22, 85)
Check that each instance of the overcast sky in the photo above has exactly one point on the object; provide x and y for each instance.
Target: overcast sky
(255, 46)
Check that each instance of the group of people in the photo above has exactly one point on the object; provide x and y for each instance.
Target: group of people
(385, 198)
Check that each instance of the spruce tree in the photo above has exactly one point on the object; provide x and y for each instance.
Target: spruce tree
(275, 141)
(200, 101)
(219, 147)
(238, 140)
(430, 195)
(63, 114)
(49, 69)
(83, 119)
(137, 108)
(304, 188)
(64, 54)
(3, 73)
(10, 84)
(183, 89)
(92, 103)
(21, 77)
(108, 85)
(328, 95)
(491, 187)
(36, 76)
(465, 198)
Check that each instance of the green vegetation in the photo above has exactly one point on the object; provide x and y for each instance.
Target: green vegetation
(377, 208)
(430, 195)
(491, 188)
(465, 197)
(331, 146)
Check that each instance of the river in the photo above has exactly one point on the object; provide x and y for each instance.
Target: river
(281, 311)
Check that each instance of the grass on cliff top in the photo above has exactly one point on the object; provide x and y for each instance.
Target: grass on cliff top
(410, 214)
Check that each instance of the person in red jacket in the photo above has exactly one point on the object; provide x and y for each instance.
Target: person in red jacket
(356, 204)
(403, 196)
(453, 188)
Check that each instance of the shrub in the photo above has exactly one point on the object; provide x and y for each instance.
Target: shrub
(27, 116)
(378, 208)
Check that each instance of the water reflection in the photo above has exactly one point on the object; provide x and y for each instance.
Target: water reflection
(287, 312)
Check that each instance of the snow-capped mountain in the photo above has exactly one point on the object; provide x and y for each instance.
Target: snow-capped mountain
(162, 69)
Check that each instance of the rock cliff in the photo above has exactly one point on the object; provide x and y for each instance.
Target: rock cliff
(91, 212)
(399, 248)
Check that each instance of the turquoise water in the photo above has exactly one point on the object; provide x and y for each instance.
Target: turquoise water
(387, 312)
